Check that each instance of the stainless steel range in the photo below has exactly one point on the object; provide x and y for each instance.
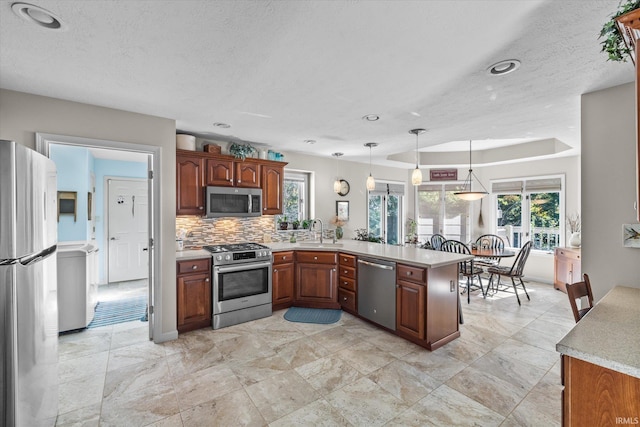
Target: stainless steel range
(241, 283)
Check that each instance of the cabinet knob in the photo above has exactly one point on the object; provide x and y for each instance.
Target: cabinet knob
(344, 299)
(239, 181)
(206, 280)
(284, 257)
(345, 282)
(194, 267)
(201, 207)
(275, 270)
(333, 269)
(230, 180)
(315, 257)
(346, 272)
(409, 273)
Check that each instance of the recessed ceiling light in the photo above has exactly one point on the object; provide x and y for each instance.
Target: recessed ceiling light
(310, 141)
(222, 125)
(503, 67)
(39, 16)
(371, 117)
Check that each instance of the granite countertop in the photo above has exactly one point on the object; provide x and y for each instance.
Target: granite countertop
(192, 254)
(609, 334)
(403, 254)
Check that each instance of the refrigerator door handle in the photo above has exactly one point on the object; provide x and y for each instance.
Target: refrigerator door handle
(31, 259)
(9, 261)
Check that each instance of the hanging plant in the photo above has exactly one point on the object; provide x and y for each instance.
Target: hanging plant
(241, 151)
(613, 43)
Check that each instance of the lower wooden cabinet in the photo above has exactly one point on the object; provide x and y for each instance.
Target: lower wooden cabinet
(316, 280)
(598, 396)
(193, 294)
(567, 267)
(410, 309)
(283, 279)
(347, 283)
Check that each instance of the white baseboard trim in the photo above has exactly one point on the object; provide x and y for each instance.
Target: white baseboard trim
(167, 336)
(544, 281)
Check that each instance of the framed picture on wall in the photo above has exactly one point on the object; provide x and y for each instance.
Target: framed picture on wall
(342, 210)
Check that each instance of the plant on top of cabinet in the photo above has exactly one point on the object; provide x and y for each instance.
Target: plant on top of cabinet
(242, 151)
(614, 44)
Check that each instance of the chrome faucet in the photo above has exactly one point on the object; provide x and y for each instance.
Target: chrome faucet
(321, 228)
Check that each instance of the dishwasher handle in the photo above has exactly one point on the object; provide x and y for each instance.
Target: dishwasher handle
(376, 265)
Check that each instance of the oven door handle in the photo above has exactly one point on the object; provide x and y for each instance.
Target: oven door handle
(241, 267)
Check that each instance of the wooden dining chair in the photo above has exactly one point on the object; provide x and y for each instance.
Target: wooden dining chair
(488, 241)
(467, 269)
(436, 241)
(516, 271)
(576, 291)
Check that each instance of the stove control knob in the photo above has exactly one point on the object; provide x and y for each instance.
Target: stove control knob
(219, 257)
(267, 253)
(227, 257)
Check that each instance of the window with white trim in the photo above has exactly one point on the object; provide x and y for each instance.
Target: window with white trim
(442, 212)
(295, 202)
(529, 209)
(385, 213)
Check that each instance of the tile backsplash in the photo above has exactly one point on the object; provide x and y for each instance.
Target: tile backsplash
(201, 231)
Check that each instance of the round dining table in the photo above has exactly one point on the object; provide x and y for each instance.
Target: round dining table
(492, 253)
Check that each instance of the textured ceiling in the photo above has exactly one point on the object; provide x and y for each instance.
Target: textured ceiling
(281, 72)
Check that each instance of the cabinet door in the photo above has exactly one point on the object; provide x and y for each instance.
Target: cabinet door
(410, 309)
(282, 291)
(272, 189)
(194, 301)
(247, 174)
(318, 284)
(219, 172)
(189, 185)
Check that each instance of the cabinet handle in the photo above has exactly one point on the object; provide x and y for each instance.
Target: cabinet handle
(194, 267)
(275, 271)
(284, 257)
(200, 207)
(315, 257)
(345, 282)
(345, 298)
(346, 272)
(409, 273)
(239, 181)
(230, 179)
(206, 280)
(452, 286)
(264, 209)
(333, 269)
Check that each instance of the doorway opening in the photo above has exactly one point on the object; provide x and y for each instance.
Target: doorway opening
(127, 265)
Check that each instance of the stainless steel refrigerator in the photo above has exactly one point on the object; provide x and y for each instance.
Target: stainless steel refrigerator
(28, 288)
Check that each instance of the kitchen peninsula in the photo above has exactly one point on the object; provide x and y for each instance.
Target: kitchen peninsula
(601, 363)
(408, 291)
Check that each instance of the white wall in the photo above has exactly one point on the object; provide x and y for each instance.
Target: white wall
(609, 187)
(22, 115)
(356, 174)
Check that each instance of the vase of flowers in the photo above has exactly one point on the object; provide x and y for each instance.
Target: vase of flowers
(573, 224)
(339, 223)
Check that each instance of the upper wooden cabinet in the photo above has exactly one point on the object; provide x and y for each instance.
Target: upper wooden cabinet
(196, 170)
(189, 185)
(272, 189)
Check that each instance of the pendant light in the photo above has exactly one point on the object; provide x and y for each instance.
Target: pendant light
(371, 183)
(467, 192)
(337, 185)
(416, 176)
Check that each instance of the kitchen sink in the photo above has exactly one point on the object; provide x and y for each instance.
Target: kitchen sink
(321, 245)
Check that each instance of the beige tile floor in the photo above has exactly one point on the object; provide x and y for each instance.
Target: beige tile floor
(503, 370)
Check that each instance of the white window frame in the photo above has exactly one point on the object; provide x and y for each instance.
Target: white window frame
(307, 198)
(526, 213)
(401, 210)
(443, 185)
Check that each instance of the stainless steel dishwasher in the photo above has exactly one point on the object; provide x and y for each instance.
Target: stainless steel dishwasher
(377, 291)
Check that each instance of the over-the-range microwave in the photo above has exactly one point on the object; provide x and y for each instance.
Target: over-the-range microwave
(232, 201)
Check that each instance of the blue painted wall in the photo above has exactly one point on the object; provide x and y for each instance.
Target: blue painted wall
(74, 165)
(110, 168)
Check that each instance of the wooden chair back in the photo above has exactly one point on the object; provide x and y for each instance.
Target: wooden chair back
(577, 291)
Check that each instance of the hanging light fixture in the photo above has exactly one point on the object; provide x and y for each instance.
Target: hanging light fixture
(467, 192)
(371, 183)
(416, 176)
(337, 185)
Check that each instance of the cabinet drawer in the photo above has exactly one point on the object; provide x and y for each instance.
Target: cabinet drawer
(282, 257)
(567, 253)
(347, 260)
(347, 283)
(347, 299)
(316, 257)
(193, 266)
(348, 272)
(412, 274)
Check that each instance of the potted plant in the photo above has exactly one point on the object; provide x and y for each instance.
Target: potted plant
(614, 44)
(283, 223)
(306, 224)
(295, 224)
(339, 223)
(241, 151)
(573, 224)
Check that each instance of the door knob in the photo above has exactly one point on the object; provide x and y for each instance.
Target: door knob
(113, 238)
(145, 249)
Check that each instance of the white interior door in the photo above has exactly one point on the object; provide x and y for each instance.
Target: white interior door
(128, 211)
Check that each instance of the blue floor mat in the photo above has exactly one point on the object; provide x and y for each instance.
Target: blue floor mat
(119, 311)
(312, 315)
